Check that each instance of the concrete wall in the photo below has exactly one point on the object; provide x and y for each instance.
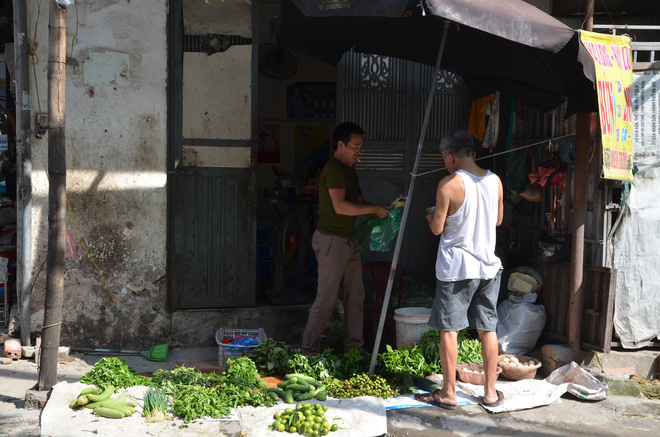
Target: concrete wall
(116, 147)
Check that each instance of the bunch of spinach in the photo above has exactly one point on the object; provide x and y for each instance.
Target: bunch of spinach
(112, 371)
(271, 356)
(405, 359)
(198, 395)
(321, 367)
(353, 363)
(469, 350)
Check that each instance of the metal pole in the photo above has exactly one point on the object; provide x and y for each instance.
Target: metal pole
(576, 285)
(56, 196)
(24, 160)
(406, 209)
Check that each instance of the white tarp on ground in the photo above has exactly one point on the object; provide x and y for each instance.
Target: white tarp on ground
(636, 245)
(363, 416)
(58, 420)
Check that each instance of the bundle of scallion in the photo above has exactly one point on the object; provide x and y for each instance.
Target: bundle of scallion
(156, 404)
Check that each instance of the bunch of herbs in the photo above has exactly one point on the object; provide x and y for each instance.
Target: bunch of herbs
(321, 367)
(353, 363)
(271, 356)
(469, 350)
(110, 371)
(405, 359)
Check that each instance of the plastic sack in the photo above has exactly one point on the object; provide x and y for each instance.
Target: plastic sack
(520, 324)
(579, 382)
(523, 280)
(376, 234)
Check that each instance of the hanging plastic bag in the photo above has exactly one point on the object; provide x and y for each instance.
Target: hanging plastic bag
(384, 231)
(520, 324)
(516, 179)
(376, 234)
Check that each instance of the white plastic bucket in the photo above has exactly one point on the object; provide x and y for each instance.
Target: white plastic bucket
(411, 323)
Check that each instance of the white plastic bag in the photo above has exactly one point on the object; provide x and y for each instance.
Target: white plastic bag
(579, 382)
(520, 323)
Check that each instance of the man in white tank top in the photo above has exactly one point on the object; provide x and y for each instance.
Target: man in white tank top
(468, 208)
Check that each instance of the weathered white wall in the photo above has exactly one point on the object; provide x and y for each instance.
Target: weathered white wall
(116, 146)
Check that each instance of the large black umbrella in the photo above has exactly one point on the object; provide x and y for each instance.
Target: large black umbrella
(504, 45)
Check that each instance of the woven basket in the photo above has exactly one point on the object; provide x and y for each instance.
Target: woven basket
(516, 373)
(471, 377)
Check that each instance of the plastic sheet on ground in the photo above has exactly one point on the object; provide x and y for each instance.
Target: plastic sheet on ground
(57, 419)
(362, 416)
(519, 395)
(531, 393)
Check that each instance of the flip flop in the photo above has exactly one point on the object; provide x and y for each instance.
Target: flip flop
(500, 399)
(429, 398)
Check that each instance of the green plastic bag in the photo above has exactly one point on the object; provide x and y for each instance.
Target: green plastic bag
(376, 234)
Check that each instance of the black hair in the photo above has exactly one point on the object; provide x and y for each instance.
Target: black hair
(343, 133)
(459, 143)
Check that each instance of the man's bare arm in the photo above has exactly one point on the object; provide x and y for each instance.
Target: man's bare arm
(346, 207)
(442, 199)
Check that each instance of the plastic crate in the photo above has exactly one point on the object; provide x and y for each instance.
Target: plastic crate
(233, 350)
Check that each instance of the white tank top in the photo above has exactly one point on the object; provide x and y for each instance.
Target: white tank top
(467, 244)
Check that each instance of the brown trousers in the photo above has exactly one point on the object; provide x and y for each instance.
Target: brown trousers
(339, 264)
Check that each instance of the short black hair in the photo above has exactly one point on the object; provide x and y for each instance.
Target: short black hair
(459, 143)
(343, 133)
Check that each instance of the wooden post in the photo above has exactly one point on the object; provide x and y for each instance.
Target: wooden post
(56, 196)
(576, 290)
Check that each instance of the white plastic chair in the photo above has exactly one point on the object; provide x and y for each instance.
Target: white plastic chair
(3, 280)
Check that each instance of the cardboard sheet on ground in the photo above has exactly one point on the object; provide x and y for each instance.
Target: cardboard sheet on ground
(363, 416)
(57, 419)
(519, 395)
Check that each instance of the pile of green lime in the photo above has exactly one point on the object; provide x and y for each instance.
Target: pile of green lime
(307, 419)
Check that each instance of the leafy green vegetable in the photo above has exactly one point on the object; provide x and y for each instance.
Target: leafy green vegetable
(155, 400)
(111, 371)
(469, 350)
(352, 363)
(320, 367)
(243, 371)
(405, 359)
(271, 356)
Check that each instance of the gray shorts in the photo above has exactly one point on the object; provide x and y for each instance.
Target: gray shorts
(469, 303)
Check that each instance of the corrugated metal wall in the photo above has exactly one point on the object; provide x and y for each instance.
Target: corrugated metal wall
(387, 97)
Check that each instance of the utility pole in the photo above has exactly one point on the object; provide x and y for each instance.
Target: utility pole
(56, 196)
(24, 155)
(576, 290)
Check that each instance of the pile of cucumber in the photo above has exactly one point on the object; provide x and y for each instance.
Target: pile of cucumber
(297, 387)
(104, 404)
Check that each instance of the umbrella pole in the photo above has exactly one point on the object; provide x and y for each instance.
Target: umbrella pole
(404, 217)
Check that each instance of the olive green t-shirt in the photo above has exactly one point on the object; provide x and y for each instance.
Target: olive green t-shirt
(336, 174)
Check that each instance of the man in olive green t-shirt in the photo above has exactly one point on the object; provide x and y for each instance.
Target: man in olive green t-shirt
(340, 201)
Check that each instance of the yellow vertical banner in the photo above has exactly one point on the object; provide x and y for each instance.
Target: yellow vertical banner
(613, 59)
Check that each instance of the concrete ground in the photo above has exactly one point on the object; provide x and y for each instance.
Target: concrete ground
(615, 416)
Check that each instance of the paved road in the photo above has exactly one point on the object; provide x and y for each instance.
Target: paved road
(615, 416)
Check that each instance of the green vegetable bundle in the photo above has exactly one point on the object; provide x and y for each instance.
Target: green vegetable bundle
(110, 371)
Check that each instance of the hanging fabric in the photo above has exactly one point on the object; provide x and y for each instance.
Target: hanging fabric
(478, 114)
(492, 131)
